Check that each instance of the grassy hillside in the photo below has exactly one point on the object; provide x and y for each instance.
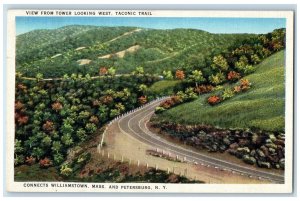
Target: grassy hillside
(260, 107)
(55, 52)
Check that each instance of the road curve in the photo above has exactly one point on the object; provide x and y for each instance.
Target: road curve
(133, 124)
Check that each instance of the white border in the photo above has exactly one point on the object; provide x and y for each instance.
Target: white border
(179, 188)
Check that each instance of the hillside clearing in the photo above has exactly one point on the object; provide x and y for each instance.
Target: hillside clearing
(122, 53)
(262, 107)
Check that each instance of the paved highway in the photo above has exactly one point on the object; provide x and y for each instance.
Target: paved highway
(134, 124)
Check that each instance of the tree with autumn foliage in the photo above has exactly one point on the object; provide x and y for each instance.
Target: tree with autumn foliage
(103, 71)
(180, 75)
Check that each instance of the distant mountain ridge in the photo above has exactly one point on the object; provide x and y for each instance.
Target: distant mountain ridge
(158, 49)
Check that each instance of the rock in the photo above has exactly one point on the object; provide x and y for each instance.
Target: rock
(282, 163)
(223, 148)
(213, 148)
(271, 145)
(234, 146)
(252, 153)
(265, 150)
(249, 159)
(277, 166)
(272, 151)
(279, 142)
(246, 134)
(226, 141)
(260, 153)
(232, 151)
(243, 150)
(264, 164)
(268, 141)
(254, 138)
(244, 142)
(272, 137)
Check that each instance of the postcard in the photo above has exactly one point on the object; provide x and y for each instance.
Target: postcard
(156, 101)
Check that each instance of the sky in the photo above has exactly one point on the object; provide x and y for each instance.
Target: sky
(212, 25)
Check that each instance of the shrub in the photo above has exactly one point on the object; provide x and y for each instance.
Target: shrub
(66, 170)
(103, 71)
(58, 158)
(237, 89)
(142, 100)
(217, 79)
(57, 106)
(45, 163)
(159, 109)
(48, 126)
(179, 75)
(245, 84)
(227, 93)
(19, 105)
(202, 89)
(30, 160)
(191, 95)
(213, 100)
(233, 76)
(94, 119)
(22, 120)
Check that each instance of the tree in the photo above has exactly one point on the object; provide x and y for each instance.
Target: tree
(217, 79)
(103, 71)
(111, 71)
(219, 62)
(167, 75)
(56, 146)
(138, 71)
(196, 77)
(142, 88)
(179, 75)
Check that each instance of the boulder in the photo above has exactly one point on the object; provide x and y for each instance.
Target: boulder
(260, 153)
(254, 138)
(279, 142)
(264, 164)
(243, 150)
(232, 151)
(272, 137)
(244, 142)
(252, 153)
(226, 141)
(272, 151)
(223, 148)
(269, 141)
(234, 146)
(282, 163)
(271, 145)
(249, 159)
(265, 150)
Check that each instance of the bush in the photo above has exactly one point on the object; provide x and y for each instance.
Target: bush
(213, 100)
(233, 76)
(45, 163)
(202, 89)
(227, 93)
(159, 110)
(245, 84)
(66, 170)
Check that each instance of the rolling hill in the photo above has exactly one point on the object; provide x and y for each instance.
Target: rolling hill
(59, 51)
(261, 107)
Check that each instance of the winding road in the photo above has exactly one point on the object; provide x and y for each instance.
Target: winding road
(134, 124)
